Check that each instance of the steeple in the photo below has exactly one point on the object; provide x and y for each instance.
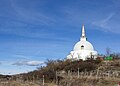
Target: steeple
(83, 37)
(83, 31)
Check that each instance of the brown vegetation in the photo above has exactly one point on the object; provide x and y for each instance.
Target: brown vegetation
(68, 73)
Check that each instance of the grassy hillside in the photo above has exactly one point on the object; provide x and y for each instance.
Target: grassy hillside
(68, 73)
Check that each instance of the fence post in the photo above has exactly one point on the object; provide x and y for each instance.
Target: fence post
(97, 73)
(78, 72)
(56, 77)
(43, 81)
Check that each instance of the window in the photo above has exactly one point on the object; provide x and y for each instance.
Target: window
(82, 47)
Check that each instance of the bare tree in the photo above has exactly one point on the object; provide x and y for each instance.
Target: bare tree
(108, 51)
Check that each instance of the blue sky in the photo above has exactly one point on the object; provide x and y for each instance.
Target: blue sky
(32, 31)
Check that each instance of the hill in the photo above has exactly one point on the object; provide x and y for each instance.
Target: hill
(68, 73)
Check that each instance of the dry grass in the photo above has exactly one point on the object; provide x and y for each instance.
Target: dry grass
(16, 83)
(104, 75)
(90, 82)
(69, 81)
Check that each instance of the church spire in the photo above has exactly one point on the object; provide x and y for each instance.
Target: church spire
(83, 34)
(83, 31)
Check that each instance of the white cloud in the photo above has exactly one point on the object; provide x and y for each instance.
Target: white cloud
(34, 63)
(28, 63)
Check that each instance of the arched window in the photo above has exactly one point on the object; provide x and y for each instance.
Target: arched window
(82, 47)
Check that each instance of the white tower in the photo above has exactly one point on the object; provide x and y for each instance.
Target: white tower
(82, 49)
(83, 37)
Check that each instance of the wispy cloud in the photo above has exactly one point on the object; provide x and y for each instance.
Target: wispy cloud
(27, 22)
(21, 57)
(28, 63)
(5, 62)
(108, 24)
(31, 16)
(103, 23)
(26, 60)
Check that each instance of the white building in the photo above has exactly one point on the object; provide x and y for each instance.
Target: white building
(83, 49)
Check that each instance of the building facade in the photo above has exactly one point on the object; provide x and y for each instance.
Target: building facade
(83, 49)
